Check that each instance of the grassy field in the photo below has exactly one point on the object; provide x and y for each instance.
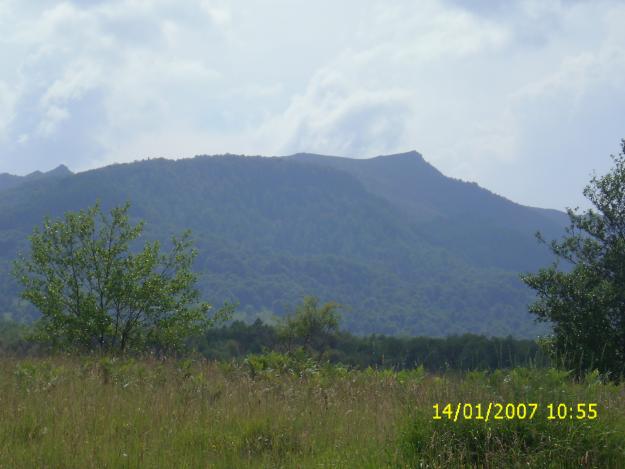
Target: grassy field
(271, 412)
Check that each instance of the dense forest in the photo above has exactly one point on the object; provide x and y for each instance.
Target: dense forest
(403, 248)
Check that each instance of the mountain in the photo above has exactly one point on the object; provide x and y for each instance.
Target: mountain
(472, 222)
(405, 249)
(8, 181)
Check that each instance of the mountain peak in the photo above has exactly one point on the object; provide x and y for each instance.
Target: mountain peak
(60, 170)
(8, 181)
(408, 154)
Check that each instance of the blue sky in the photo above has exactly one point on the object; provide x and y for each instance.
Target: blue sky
(524, 97)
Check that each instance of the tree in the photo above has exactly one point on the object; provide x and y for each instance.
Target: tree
(585, 301)
(95, 293)
(311, 326)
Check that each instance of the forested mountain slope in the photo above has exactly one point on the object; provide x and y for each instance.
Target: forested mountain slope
(406, 250)
(470, 221)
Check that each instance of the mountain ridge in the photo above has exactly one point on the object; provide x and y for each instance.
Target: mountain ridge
(8, 181)
(442, 204)
(273, 229)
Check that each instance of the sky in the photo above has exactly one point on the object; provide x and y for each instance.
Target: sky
(524, 97)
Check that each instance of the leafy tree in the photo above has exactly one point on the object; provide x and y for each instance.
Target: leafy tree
(95, 293)
(585, 301)
(311, 326)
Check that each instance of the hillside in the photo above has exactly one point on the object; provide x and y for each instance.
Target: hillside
(405, 249)
(472, 222)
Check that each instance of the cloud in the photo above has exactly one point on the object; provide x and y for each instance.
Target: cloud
(52, 118)
(130, 56)
(337, 116)
(7, 110)
(488, 91)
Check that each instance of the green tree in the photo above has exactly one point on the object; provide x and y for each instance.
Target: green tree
(95, 293)
(585, 300)
(311, 326)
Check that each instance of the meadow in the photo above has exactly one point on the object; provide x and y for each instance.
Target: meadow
(279, 411)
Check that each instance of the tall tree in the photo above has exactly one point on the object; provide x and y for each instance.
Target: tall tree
(311, 326)
(94, 292)
(585, 301)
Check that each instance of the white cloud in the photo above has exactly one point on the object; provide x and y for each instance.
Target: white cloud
(219, 14)
(431, 32)
(52, 118)
(338, 116)
(7, 109)
(485, 90)
(78, 78)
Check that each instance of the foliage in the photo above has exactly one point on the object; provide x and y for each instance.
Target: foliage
(14, 337)
(275, 363)
(95, 293)
(586, 302)
(311, 326)
(237, 341)
(466, 352)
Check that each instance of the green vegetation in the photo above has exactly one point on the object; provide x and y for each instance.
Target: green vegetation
(271, 230)
(311, 327)
(466, 352)
(237, 341)
(94, 294)
(586, 303)
(73, 413)
(14, 338)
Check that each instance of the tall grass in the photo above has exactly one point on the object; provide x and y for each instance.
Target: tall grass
(272, 412)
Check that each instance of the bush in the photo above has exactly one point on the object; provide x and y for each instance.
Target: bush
(275, 363)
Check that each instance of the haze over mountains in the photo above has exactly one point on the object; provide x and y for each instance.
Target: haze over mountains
(405, 249)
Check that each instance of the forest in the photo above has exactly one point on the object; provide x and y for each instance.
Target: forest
(271, 230)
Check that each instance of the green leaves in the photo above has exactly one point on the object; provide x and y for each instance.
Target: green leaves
(586, 303)
(94, 292)
(312, 326)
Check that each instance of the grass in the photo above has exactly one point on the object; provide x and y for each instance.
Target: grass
(76, 413)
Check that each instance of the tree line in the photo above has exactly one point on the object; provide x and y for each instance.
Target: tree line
(238, 340)
(463, 352)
